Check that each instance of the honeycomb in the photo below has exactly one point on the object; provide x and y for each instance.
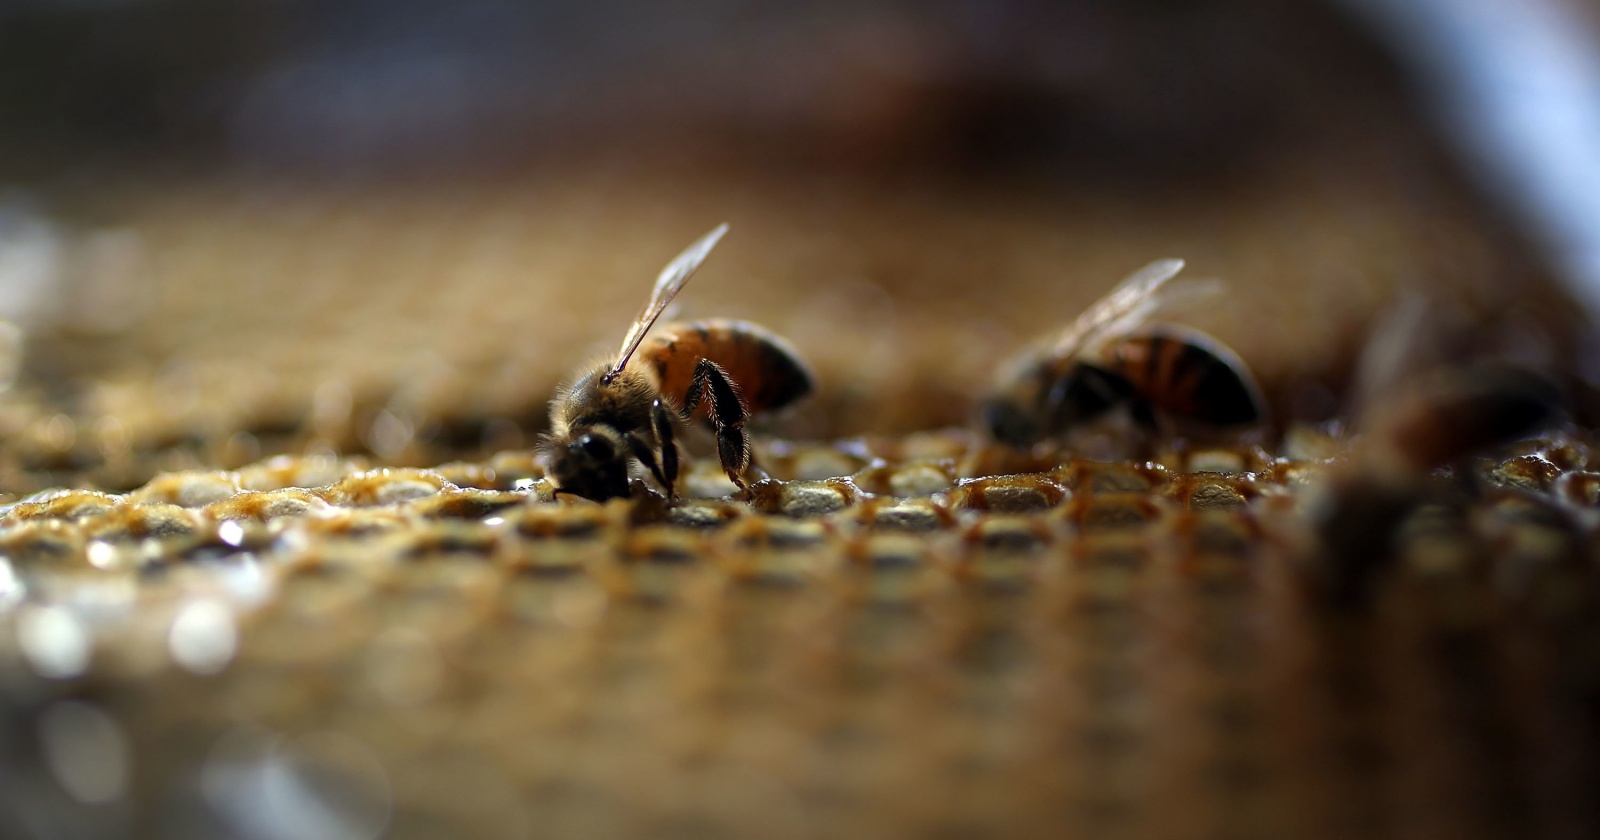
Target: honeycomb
(279, 561)
(916, 636)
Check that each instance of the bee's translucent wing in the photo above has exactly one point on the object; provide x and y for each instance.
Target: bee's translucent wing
(1180, 297)
(1122, 309)
(668, 284)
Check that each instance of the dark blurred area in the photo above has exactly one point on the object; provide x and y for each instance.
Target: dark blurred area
(1150, 89)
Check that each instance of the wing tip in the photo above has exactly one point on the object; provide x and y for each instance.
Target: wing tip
(1167, 266)
(710, 240)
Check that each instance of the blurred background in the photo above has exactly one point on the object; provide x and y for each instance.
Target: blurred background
(228, 229)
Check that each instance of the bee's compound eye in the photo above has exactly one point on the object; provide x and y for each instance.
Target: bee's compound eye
(1010, 424)
(595, 446)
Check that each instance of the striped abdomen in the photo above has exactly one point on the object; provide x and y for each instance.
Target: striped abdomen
(763, 367)
(1186, 375)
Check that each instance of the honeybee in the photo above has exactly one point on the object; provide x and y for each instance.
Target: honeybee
(625, 409)
(1432, 392)
(1167, 376)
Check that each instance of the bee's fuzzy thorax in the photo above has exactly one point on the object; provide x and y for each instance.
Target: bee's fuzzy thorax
(623, 403)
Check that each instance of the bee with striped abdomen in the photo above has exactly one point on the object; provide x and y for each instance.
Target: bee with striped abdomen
(625, 409)
(1168, 377)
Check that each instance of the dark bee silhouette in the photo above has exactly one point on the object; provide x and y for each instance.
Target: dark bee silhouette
(625, 409)
(1167, 376)
(1430, 394)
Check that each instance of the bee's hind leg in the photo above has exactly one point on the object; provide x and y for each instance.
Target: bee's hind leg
(728, 414)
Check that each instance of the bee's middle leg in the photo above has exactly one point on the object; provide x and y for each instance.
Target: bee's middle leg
(647, 456)
(669, 447)
(664, 470)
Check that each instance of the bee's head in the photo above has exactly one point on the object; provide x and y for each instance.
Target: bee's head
(1047, 403)
(1011, 421)
(1014, 413)
(592, 463)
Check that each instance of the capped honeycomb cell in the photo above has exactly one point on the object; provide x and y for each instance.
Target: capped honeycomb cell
(284, 471)
(819, 463)
(700, 513)
(1008, 494)
(42, 543)
(907, 479)
(1210, 493)
(267, 505)
(912, 515)
(188, 489)
(804, 498)
(470, 503)
(150, 520)
(562, 522)
(1096, 478)
(505, 471)
(62, 504)
(1113, 511)
(386, 487)
(1217, 461)
(1525, 472)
